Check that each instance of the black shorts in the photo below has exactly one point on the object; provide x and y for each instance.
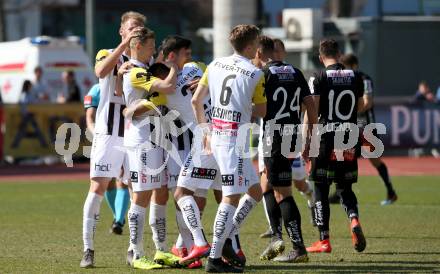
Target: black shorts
(279, 170)
(327, 169)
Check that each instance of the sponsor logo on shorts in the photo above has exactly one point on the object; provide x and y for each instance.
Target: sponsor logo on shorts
(203, 173)
(144, 158)
(186, 165)
(173, 178)
(134, 176)
(103, 167)
(240, 166)
(228, 180)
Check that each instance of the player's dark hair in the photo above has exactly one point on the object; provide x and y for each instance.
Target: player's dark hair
(242, 35)
(266, 45)
(159, 70)
(349, 60)
(173, 43)
(329, 48)
(279, 42)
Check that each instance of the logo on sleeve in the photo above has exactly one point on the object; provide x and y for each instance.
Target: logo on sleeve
(228, 180)
(87, 100)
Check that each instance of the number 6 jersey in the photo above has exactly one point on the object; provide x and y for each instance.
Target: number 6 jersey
(234, 84)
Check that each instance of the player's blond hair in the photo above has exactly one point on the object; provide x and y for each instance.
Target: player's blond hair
(133, 15)
(242, 35)
(141, 36)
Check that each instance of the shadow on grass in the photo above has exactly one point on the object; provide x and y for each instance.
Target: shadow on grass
(371, 268)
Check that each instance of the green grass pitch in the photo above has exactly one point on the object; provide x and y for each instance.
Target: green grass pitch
(40, 231)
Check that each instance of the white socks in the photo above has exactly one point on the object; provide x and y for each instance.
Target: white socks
(246, 204)
(92, 206)
(136, 222)
(222, 228)
(191, 216)
(157, 220)
(185, 236)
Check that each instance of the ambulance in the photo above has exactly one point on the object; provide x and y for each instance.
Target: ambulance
(18, 59)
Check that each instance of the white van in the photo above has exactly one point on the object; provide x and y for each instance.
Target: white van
(18, 59)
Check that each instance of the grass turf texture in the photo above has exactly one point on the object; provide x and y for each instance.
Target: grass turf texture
(40, 231)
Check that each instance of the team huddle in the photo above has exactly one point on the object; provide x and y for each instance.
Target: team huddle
(165, 124)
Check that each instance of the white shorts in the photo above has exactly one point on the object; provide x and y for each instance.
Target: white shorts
(106, 159)
(237, 173)
(199, 172)
(182, 144)
(146, 168)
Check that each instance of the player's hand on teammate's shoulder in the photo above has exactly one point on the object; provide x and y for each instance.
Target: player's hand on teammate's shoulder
(125, 67)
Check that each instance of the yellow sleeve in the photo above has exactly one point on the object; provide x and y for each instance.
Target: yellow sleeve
(156, 99)
(201, 65)
(101, 55)
(259, 93)
(204, 80)
(141, 79)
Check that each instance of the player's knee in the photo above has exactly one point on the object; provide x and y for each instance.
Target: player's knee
(141, 198)
(201, 202)
(255, 192)
(180, 192)
(233, 199)
(282, 193)
(99, 185)
(218, 196)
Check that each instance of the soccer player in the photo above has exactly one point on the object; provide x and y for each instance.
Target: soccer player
(286, 91)
(116, 195)
(176, 49)
(365, 117)
(298, 165)
(105, 160)
(338, 94)
(236, 89)
(144, 155)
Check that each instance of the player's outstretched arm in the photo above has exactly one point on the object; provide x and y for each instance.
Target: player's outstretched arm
(106, 62)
